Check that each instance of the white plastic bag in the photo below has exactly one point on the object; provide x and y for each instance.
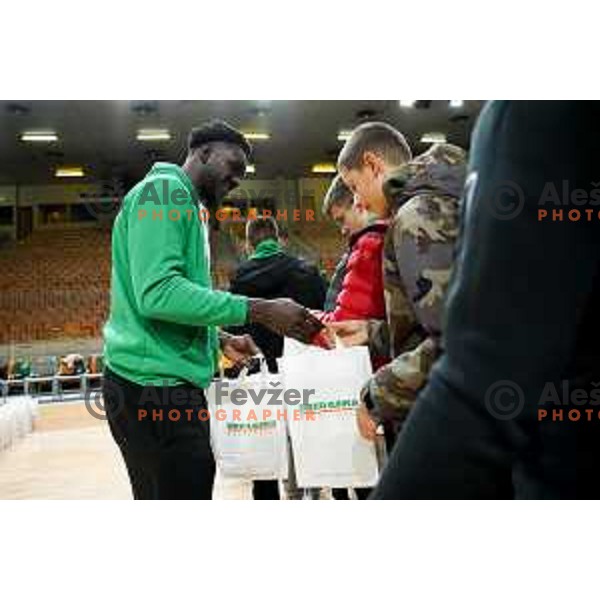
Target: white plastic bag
(7, 426)
(328, 449)
(16, 419)
(249, 441)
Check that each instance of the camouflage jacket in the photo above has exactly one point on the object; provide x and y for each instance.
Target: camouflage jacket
(418, 254)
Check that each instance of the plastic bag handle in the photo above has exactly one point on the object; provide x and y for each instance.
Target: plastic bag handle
(263, 369)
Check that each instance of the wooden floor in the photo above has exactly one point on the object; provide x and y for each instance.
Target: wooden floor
(71, 455)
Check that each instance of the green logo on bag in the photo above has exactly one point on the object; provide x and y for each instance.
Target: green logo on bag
(258, 426)
(330, 406)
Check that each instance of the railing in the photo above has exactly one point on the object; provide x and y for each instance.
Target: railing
(56, 394)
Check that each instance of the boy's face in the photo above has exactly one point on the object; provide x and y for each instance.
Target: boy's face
(366, 183)
(348, 219)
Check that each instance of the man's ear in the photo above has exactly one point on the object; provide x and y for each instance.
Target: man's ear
(371, 161)
(203, 153)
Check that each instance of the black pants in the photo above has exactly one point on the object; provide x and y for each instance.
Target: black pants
(162, 437)
(263, 489)
(342, 493)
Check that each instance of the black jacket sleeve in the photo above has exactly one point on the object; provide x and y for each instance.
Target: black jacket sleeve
(522, 314)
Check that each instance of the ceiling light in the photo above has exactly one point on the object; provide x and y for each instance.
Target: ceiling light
(153, 135)
(39, 136)
(344, 135)
(324, 168)
(250, 169)
(255, 135)
(69, 172)
(433, 138)
(407, 103)
(456, 103)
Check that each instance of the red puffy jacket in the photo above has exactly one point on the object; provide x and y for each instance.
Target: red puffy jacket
(361, 294)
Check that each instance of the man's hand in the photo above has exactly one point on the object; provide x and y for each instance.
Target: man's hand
(351, 333)
(238, 348)
(367, 427)
(285, 317)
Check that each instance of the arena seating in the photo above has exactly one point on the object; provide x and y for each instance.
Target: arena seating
(55, 285)
(323, 245)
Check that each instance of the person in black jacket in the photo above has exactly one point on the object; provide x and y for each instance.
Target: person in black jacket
(268, 273)
(511, 407)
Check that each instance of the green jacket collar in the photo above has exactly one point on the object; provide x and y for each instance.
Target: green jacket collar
(265, 249)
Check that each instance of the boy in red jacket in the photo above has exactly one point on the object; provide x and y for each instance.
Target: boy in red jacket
(356, 289)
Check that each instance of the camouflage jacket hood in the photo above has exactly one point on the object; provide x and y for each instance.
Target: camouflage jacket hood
(440, 171)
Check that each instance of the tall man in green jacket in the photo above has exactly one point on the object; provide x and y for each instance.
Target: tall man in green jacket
(161, 339)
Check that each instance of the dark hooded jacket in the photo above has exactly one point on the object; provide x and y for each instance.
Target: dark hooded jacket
(277, 276)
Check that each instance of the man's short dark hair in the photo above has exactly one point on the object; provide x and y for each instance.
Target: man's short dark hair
(260, 229)
(379, 138)
(218, 131)
(338, 194)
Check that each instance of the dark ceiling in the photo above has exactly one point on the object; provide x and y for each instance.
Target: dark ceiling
(101, 135)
